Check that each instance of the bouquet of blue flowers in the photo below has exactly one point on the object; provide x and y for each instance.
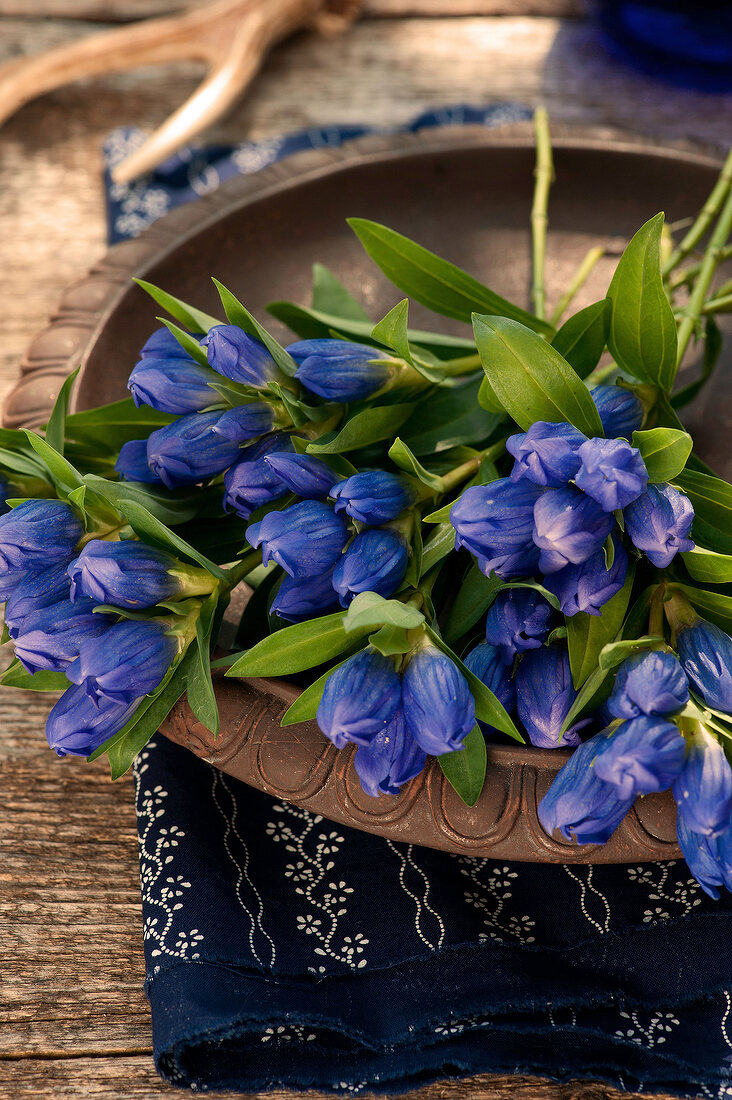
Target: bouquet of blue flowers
(443, 538)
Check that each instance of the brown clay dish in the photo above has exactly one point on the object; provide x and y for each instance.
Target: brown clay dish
(465, 193)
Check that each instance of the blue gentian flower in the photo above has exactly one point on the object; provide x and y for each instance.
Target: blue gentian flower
(544, 696)
(438, 706)
(300, 599)
(376, 561)
(569, 527)
(611, 472)
(245, 422)
(162, 344)
(306, 475)
(643, 755)
(176, 386)
(306, 539)
(127, 574)
(251, 481)
(51, 636)
(242, 358)
(485, 662)
(580, 804)
(390, 759)
(495, 523)
(360, 699)
(37, 534)
(132, 463)
(706, 654)
(621, 412)
(588, 586)
(658, 523)
(339, 370)
(35, 590)
(518, 619)
(709, 857)
(128, 661)
(77, 726)
(546, 454)
(703, 791)
(373, 497)
(648, 683)
(189, 450)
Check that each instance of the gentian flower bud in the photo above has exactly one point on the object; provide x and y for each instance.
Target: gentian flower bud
(703, 855)
(251, 481)
(360, 699)
(612, 472)
(376, 561)
(242, 358)
(339, 370)
(643, 755)
(496, 523)
(163, 345)
(306, 475)
(648, 683)
(706, 654)
(438, 706)
(132, 463)
(485, 662)
(52, 635)
(306, 539)
(658, 523)
(621, 412)
(126, 574)
(580, 804)
(517, 620)
(77, 726)
(546, 454)
(34, 591)
(176, 386)
(36, 534)
(300, 599)
(245, 422)
(569, 527)
(374, 496)
(128, 661)
(588, 586)
(703, 791)
(189, 450)
(544, 696)
(389, 760)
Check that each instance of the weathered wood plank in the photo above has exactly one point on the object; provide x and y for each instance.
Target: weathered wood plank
(124, 10)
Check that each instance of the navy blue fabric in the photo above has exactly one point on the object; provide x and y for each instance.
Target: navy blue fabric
(283, 950)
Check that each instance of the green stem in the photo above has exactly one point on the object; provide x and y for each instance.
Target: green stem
(694, 309)
(243, 568)
(543, 175)
(687, 276)
(578, 281)
(718, 305)
(705, 217)
(461, 366)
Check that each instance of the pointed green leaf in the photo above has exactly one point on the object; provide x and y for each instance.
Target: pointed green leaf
(189, 316)
(200, 689)
(330, 296)
(369, 610)
(237, 314)
(449, 418)
(587, 635)
(392, 330)
(707, 567)
(711, 605)
(151, 530)
(55, 433)
(390, 641)
(474, 596)
(402, 457)
(712, 501)
(366, 427)
(465, 769)
(614, 653)
(664, 451)
(189, 344)
(582, 338)
(16, 676)
(298, 647)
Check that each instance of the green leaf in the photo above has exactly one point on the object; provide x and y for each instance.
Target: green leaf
(712, 605)
(366, 427)
(642, 337)
(474, 596)
(298, 647)
(108, 427)
(392, 330)
(152, 531)
(465, 769)
(531, 379)
(436, 283)
(582, 338)
(189, 344)
(488, 708)
(614, 653)
(449, 418)
(237, 314)
(189, 316)
(664, 451)
(15, 676)
(55, 428)
(369, 609)
(330, 296)
(200, 690)
(708, 567)
(488, 399)
(391, 640)
(170, 508)
(587, 634)
(593, 692)
(437, 547)
(712, 501)
(401, 456)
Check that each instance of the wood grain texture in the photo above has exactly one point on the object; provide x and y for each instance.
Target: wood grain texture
(123, 11)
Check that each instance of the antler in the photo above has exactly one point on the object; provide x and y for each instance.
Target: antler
(231, 36)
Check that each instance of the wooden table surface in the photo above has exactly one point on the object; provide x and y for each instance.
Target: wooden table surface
(76, 1022)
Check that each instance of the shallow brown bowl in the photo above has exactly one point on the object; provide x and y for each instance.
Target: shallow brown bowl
(466, 193)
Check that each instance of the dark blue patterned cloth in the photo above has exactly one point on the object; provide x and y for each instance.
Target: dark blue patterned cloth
(283, 950)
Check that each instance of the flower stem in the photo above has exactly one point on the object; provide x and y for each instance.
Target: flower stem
(464, 365)
(722, 304)
(681, 278)
(711, 260)
(543, 175)
(705, 217)
(578, 281)
(243, 567)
